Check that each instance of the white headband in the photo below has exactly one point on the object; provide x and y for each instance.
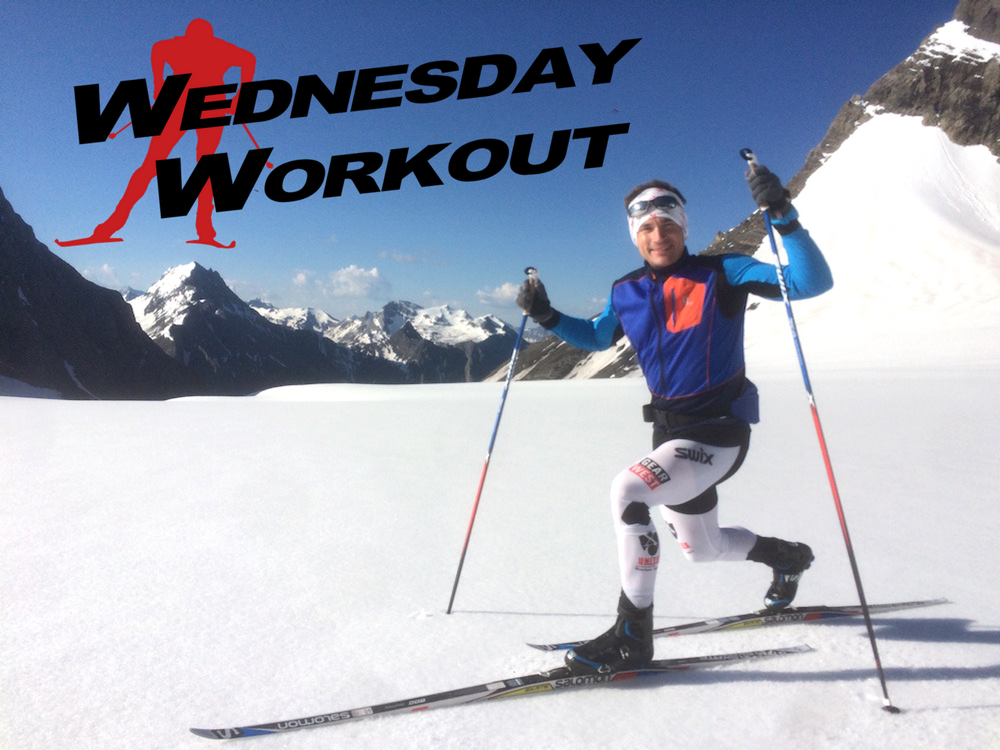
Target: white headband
(675, 214)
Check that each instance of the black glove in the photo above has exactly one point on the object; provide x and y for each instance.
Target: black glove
(534, 301)
(768, 192)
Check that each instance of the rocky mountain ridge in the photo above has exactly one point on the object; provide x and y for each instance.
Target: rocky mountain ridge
(62, 333)
(955, 88)
(239, 347)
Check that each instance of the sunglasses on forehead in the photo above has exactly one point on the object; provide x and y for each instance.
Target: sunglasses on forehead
(638, 208)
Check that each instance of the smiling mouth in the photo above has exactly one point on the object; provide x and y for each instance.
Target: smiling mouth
(663, 255)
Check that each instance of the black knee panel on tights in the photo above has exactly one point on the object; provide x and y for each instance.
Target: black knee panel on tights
(636, 514)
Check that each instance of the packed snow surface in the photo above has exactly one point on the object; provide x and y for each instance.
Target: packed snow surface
(208, 562)
(910, 224)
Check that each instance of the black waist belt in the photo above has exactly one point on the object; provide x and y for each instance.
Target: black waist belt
(671, 418)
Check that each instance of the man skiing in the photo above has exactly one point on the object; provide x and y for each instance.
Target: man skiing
(683, 315)
(206, 58)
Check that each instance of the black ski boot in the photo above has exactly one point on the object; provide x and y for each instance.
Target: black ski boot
(628, 645)
(788, 560)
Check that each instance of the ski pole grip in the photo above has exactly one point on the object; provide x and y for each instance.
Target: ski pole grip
(751, 160)
(532, 276)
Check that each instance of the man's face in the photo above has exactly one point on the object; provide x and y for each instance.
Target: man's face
(660, 242)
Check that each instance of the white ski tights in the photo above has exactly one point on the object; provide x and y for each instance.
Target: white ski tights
(672, 474)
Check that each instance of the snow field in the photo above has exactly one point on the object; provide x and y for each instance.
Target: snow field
(204, 562)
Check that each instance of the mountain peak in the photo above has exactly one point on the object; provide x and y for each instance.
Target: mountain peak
(982, 17)
(951, 82)
(191, 274)
(179, 290)
(297, 318)
(956, 38)
(174, 278)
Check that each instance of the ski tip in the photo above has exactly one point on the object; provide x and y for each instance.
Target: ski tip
(87, 241)
(213, 243)
(232, 733)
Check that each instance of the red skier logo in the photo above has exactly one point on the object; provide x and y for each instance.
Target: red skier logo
(206, 58)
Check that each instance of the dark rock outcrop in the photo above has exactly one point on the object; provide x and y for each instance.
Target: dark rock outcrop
(61, 332)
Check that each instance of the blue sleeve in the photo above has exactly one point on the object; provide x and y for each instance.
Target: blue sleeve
(593, 335)
(806, 273)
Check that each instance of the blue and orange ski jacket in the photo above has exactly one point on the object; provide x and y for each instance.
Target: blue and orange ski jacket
(685, 322)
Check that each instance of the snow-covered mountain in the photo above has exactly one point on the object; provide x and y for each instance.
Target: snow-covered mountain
(906, 210)
(444, 325)
(299, 318)
(241, 347)
(198, 320)
(129, 293)
(436, 344)
(439, 325)
(431, 344)
(902, 197)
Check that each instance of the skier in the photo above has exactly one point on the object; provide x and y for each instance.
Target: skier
(683, 315)
(207, 58)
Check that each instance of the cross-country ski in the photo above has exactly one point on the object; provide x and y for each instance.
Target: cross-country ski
(531, 684)
(764, 618)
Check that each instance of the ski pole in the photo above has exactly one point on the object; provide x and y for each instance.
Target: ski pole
(533, 278)
(269, 164)
(748, 155)
(112, 135)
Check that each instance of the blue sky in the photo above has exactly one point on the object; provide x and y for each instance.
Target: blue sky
(707, 79)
